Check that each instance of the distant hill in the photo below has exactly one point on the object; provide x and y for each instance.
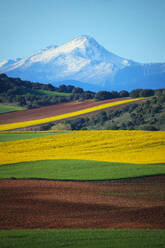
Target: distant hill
(146, 116)
(33, 95)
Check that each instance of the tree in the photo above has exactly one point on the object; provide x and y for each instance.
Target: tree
(62, 88)
(123, 93)
(70, 88)
(135, 93)
(102, 117)
(147, 92)
(114, 94)
(77, 90)
(103, 95)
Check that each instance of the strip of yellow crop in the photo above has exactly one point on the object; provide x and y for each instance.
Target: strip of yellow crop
(11, 126)
(143, 147)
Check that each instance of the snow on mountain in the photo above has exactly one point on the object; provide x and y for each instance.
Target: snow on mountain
(7, 64)
(83, 60)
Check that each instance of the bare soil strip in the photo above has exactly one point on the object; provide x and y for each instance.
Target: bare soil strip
(53, 110)
(126, 203)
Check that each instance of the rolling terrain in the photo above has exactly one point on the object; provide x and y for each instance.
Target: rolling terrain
(130, 204)
(59, 112)
(81, 193)
(57, 185)
(49, 111)
(138, 147)
(101, 183)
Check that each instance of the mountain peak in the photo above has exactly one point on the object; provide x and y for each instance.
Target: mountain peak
(84, 38)
(81, 59)
(80, 42)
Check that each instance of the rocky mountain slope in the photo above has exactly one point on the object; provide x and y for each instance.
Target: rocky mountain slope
(84, 62)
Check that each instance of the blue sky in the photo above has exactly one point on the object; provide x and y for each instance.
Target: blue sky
(134, 29)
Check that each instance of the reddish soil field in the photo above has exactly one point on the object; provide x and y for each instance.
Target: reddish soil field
(127, 203)
(53, 110)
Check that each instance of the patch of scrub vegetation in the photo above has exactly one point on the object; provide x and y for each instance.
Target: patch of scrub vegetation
(5, 108)
(149, 115)
(89, 238)
(78, 170)
(12, 136)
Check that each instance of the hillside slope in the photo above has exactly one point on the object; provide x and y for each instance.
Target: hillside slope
(66, 111)
(14, 91)
(146, 115)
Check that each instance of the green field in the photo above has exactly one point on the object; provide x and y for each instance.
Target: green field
(78, 170)
(9, 108)
(43, 92)
(91, 238)
(4, 137)
(51, 93)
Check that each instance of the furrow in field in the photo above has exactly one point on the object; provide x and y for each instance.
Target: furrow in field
(135, 203)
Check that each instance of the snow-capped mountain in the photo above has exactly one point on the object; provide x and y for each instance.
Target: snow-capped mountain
(81, 59)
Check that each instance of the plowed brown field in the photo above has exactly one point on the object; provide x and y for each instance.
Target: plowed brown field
(53, 110)
(126, 203)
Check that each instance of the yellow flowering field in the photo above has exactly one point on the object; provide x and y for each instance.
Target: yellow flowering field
(11, 126)
(141, 147)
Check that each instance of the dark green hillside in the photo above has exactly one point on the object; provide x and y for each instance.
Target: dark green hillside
(14, 91)
(142, 116)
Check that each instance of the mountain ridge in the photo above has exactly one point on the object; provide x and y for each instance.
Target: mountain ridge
(82, 60)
